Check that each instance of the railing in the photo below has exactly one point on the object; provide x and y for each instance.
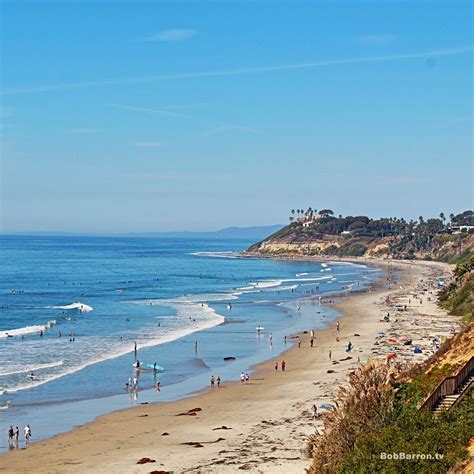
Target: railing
(449, 385)
(463, 394)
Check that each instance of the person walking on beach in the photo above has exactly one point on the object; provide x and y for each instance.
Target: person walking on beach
(27, 432)
(276, 366)
(338, 326)
(283, 365)
(314, 411)
(247, 378)
(17, 436)
(330, 354)
(242, 377)
(212, 381)
(10, 436)
(312, 341)
(299, 342)
(349, 347)
(218, 382)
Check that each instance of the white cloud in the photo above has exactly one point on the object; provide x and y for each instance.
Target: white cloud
(173, 34)
(226, 127)
(6, 111)
(84, 130)
(165, 112)
(376, 40)
(147, 144)
(456, 121)
(401, 180)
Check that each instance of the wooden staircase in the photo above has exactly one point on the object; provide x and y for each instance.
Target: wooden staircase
(451, 390)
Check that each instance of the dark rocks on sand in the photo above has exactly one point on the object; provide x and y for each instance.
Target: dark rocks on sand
(223, 427)
(194, 444)
(191, 412)
(165, 434)
(145, 460)
(229, 358)
(330, 371)
(356, 334)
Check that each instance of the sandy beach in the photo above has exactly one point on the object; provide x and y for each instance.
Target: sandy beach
(262, 425)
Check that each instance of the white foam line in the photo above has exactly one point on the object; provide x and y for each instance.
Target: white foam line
(228, 254)
(34, 368)
(27, 330)
(83, 308)
(218, 319)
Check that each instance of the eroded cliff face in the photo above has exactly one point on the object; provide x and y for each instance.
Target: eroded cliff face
(441, 247)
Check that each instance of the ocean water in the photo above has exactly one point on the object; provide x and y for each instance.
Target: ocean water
(73, 308)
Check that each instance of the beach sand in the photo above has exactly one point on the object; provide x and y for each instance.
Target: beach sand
(262, 425)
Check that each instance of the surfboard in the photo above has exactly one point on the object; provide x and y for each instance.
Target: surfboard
(158, 368)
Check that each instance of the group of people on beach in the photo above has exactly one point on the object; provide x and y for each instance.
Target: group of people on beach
(215, 381)
(282, 365)
(244, 377)
(14, 436)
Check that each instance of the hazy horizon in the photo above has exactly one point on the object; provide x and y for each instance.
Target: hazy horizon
(196, 117)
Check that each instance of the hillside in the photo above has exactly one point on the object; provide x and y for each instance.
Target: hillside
(360, 236)
(381, 409)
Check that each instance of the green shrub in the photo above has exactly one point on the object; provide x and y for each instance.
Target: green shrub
(414, 432)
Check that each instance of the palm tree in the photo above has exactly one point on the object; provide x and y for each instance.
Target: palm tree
(443, 218)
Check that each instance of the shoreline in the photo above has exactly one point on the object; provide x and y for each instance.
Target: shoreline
(273, 443)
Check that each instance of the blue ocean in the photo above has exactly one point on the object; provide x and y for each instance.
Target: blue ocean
(73, 309)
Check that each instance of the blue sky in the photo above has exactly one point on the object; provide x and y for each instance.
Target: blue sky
(154, 116)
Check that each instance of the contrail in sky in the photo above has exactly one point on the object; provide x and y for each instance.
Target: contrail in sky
(236, 72)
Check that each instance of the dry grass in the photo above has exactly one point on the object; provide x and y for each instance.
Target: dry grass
(362, 406)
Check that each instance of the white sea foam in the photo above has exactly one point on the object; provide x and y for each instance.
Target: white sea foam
(195, 316)
(266, 283)
(361, 265)
(278, 285)
(33, 368)
(228, 254)
(301, 274)
(84, 308)
(26, 330)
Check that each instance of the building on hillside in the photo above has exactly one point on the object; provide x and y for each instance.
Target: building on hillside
(459, 229)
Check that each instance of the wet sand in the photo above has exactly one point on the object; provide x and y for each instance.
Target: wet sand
(262, 425)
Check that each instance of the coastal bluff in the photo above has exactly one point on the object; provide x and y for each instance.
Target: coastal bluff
(369, 239)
